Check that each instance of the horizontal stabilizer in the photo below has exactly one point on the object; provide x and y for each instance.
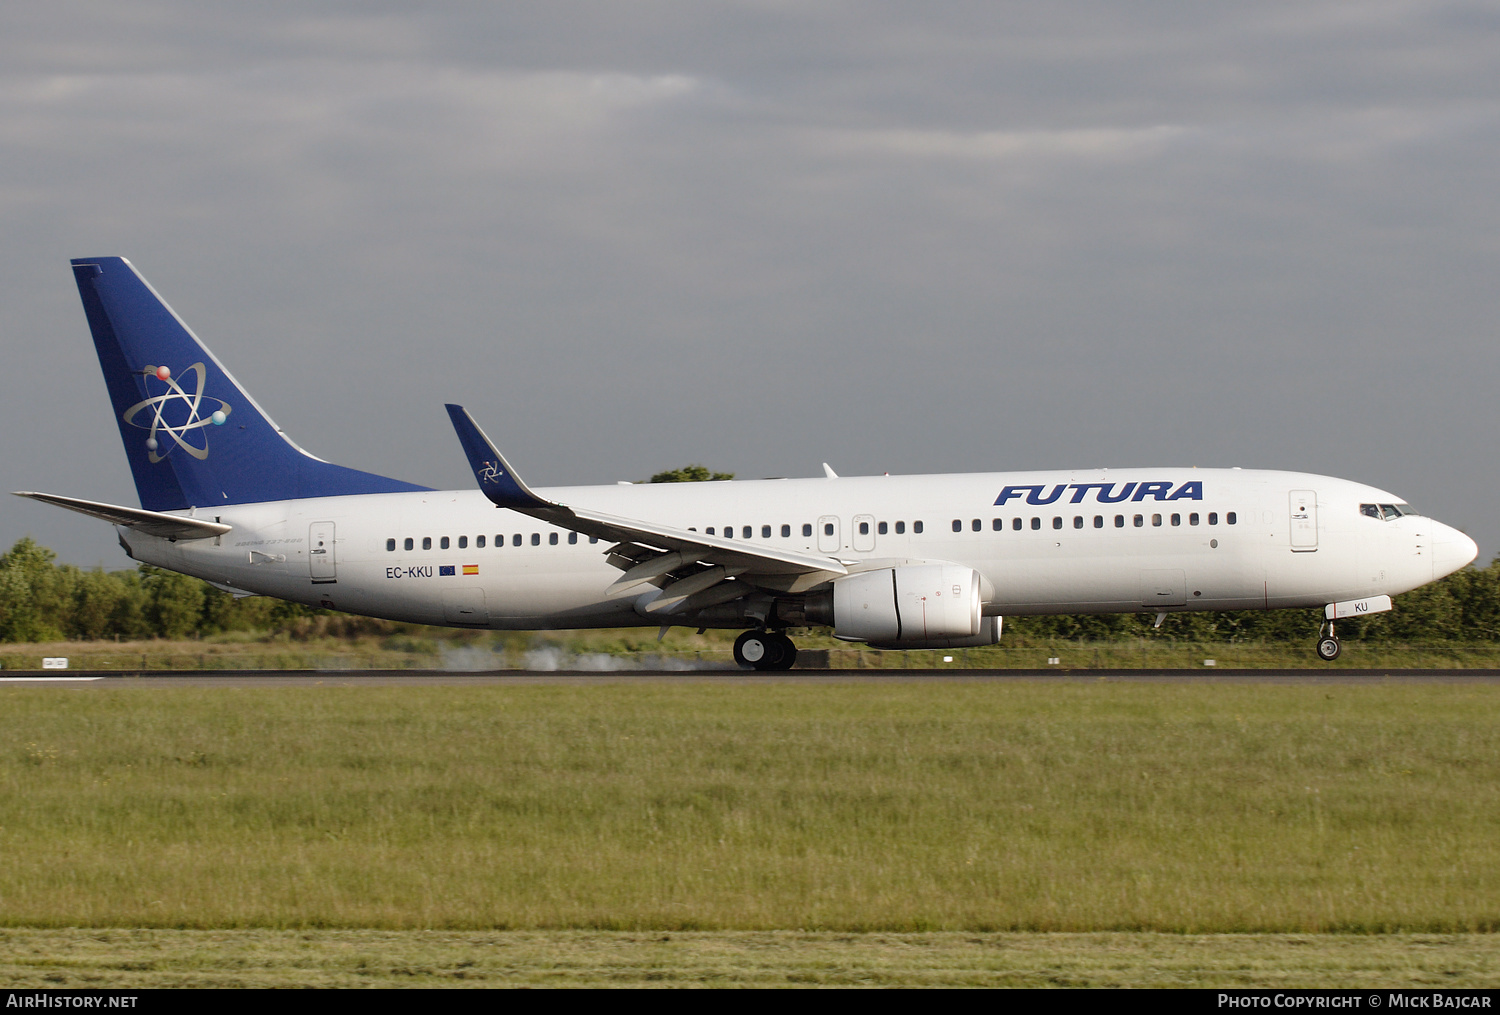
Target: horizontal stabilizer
(152, 523)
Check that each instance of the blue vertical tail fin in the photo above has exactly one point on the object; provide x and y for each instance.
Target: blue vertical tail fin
(193, 436)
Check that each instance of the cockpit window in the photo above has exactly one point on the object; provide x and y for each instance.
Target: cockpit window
(1387, 512)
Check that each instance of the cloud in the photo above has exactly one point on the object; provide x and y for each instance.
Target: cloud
(1103, 143)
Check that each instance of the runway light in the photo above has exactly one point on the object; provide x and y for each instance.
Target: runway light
(947, 659)
(1210, 662)
(1054, 661)
(162, 373)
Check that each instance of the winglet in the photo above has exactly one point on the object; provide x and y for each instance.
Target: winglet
(497, 480)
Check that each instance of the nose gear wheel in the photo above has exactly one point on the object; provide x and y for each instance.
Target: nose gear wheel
(1328, 645)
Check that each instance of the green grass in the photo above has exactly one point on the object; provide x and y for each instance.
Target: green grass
(139, 959)
(1187, 809)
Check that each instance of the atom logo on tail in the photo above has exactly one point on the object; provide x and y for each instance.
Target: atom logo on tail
(157, 407)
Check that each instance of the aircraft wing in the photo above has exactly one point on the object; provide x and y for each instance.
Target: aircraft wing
(502, 486)
(152, 523)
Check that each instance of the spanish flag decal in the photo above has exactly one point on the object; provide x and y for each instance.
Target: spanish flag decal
(471, 569)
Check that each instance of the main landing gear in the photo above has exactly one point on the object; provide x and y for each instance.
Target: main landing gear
(765, 650)
(1328, 645)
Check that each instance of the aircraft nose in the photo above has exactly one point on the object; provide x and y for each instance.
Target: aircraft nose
(1451, 550)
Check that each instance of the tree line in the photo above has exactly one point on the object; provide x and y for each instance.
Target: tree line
(41, 600)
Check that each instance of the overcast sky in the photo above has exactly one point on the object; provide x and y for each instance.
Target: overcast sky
(919, 237)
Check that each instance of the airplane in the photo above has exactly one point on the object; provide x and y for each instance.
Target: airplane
(891, 561)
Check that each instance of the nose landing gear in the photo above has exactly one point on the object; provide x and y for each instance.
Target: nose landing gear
(1328, 645)
(765, 650)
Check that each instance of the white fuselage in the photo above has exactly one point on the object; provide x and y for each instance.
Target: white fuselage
(1230, 539)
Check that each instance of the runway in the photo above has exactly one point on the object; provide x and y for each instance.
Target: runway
(105, 679)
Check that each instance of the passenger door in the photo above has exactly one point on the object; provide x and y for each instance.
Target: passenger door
(321, 560)
(1304, 520)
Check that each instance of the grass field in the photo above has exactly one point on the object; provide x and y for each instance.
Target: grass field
(134, 959)
(1186, 809)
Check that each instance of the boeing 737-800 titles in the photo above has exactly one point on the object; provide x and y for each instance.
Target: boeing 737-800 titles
(894, 561)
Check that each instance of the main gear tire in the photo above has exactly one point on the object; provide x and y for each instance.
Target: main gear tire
(788, 652)
(759, 650)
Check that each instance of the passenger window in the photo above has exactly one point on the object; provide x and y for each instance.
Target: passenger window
(786, 532)
(406, 543)
(828, 528)
(709, 530)
(463, 542)
(1230, 519)
(536, 539)
(1036, 523)
(515, 540)
(1119, 521)
(1139, 521)
(552, 539)
(864, 528)
(1213, 518)
(572, 539)
(765, 532)
(1016, 524)
(426, 542)
(593, 540)
(958, 526)
(976, 525)
(390, 546)
(1078, 521)
(479, 542)
(729, 532)
(1193, 518)
(806, 529)
(1098, 521)
(1177, 519)
(881, 528)
(900, 528)
(1156, 520)
(916, 527)
(998, 524)
(1056, 522)
(444, 543)
(746, 531)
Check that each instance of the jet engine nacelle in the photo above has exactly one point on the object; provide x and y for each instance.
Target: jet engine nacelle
(905, 606)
